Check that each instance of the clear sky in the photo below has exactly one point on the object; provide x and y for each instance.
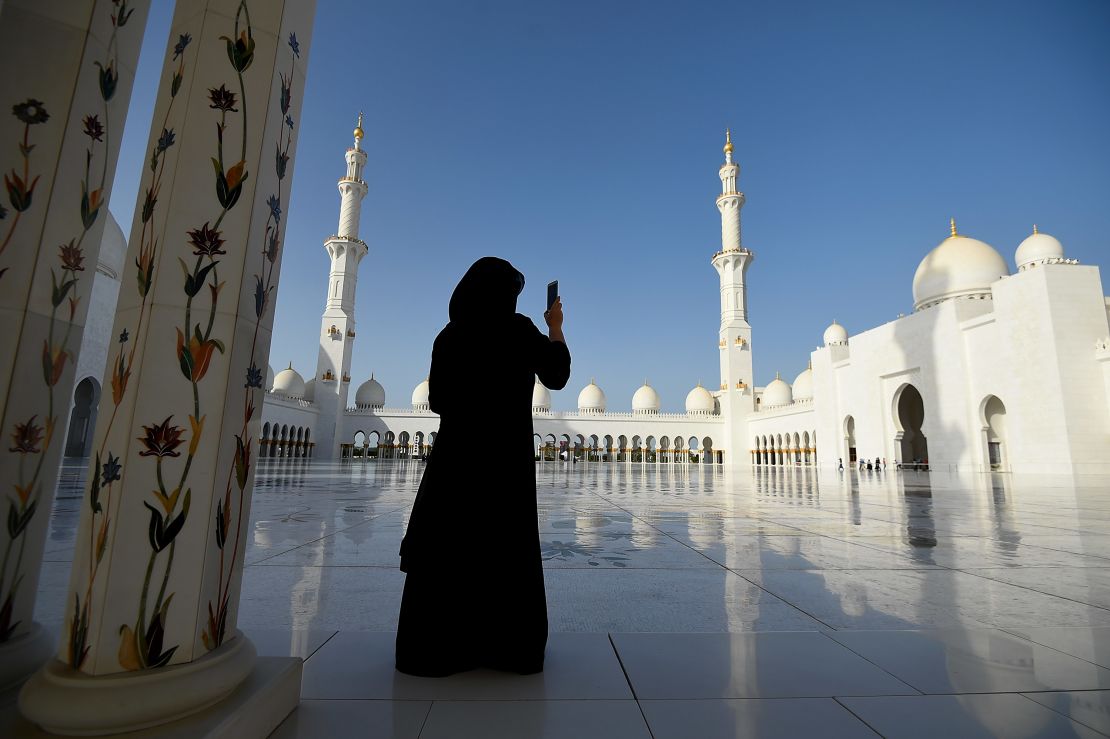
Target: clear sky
(581, 141)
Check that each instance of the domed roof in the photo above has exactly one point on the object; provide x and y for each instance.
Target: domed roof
(700, 401)
(645, 399)
(113, 247)
(959, 266)
(541, 396)
(1038, 248)
(803, 385)
(269, 377)
(836, 334)
(777, 393)
(370, 394)
(420, 395)
(289, 382)
(591, 399)
(310, 390)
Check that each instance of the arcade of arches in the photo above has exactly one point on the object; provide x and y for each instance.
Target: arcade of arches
(643, 449)
(286, 441)
(388, 446)
(794, 449)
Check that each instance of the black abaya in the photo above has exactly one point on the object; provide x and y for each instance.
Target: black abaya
(474, 593)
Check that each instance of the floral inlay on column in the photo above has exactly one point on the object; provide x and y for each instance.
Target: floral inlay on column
(32, 437)
(162, 462)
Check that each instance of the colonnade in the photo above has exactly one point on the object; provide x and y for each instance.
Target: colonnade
(285, 441)
(793, 449)
(643, 450)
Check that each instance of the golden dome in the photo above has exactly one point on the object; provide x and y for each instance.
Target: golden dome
(728, 141)
(358, 128)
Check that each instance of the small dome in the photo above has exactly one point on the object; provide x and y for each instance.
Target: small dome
(370, 394)
(1038, 248)
(541, 397)
(645, 400)
(289, 383)
(803, 385)
(836, 335)
(591, 399)
(269, 378)
(960, 266)
(310, 390)
(699, 401)
(777, 393)
(420, 396)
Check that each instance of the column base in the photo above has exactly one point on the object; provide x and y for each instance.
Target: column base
(20, 657)
(180, 700)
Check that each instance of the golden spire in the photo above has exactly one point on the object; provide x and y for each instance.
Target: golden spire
(952, 226)
(358, 128)
(1035, 228)
(728, 141)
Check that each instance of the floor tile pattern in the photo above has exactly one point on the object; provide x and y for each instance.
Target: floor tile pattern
(691, 601)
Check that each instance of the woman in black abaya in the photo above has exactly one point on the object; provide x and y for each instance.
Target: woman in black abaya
(474, 594)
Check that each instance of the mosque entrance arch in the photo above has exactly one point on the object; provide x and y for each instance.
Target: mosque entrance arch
(82, 421)
(850, 440)
(909, 417)
(992, 413)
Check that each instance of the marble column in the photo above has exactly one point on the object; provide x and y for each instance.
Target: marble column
(68, 72)
(150, 619)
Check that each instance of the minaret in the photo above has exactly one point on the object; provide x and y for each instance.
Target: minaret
(337, 328)
(731, 263)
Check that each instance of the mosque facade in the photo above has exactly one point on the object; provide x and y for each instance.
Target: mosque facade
(995, 369)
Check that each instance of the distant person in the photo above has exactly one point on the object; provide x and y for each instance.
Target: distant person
(491, 613)
(840, 464)
(877, 467)
(884, 464)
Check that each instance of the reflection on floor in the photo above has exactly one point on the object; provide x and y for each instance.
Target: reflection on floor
(700, 602)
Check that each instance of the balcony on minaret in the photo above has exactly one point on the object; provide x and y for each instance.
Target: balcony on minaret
(350, 334)
(741, 342)
(328, 376)
(741, 385)
(346, 377)
(335, 333)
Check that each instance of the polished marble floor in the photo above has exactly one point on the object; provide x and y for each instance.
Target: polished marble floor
(690, 601)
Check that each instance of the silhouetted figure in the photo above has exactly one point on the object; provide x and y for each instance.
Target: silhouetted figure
(474, 594)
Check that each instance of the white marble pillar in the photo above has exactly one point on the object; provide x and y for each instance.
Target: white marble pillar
(68, 74)
(150, 619)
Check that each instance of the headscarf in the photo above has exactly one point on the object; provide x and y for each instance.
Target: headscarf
(488, 290)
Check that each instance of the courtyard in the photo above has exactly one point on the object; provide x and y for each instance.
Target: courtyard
(696, 601)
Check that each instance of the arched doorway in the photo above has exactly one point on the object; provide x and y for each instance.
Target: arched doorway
(909, 417)
(850, 440)
(994, 429)
(360, 444)
(82, 421)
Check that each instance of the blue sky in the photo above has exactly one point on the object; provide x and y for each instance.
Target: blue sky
(581, 141)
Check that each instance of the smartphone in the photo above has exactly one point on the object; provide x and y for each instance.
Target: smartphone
(552, 293)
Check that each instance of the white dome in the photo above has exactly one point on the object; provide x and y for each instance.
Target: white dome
(700, 401)
(803, 385)
(370, 394)
(959, 266)
(836, 334)
(113, 248)
(591, 399)
(777, 393)
(289, 382)
(1038, 248)
(269, 378)
(420, 396)
(310, 390)
(541, 397)
(645, 400)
